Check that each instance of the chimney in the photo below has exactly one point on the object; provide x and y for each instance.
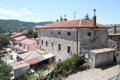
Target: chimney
(65, 19)
(57, 20)
(114, 29)
(94, 18)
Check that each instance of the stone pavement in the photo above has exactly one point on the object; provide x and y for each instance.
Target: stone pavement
(96, 74)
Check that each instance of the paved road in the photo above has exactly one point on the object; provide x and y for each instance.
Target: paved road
(96, 74)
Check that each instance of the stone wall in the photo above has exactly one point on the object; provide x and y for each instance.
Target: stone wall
(88, 38)
(54, 37)
(93, 38)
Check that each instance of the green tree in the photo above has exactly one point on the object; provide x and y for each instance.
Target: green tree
(31, 33)
(4, 71)
(4, 40)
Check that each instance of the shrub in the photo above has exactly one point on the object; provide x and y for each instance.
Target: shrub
(86, 66)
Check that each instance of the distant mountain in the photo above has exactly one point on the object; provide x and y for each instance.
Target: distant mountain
(16, 25)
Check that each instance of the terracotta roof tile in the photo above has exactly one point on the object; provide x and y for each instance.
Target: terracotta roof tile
(32, 61)
(42, 52)
(70, 24)
(20, 38)
(27, 41)
(20, 64)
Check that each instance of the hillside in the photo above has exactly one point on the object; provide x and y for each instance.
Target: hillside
(14, 25)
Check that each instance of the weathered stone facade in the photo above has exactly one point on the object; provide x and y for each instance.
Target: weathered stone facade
(93, 38)
(50, 39)
(74, 38)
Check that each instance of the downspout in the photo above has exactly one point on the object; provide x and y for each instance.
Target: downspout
(77, 39)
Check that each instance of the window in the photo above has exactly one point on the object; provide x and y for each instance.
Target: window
(24, 47)
(28, 48)
(52, 44)
(51, 32)
(20, 44)
(89, 33)
(42, 42)
(59, 32)
(68, 33)
(46, 43)
(68, 49)
(59, 46)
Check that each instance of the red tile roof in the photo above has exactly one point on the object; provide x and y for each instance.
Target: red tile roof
(42, 52)
(28, 41)
(32, 61)
(71, 24)
(20, 38)
(20, 64)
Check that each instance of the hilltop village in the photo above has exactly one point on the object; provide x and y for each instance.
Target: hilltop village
(57, 42)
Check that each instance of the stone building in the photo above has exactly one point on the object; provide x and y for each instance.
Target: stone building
(114, 42)
(65, 38)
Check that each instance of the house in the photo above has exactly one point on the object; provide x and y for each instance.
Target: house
(101, 57)
(21, 43)
(28, 59)
(114, 42)
(28, 45)
(65, 38)
(19, 69)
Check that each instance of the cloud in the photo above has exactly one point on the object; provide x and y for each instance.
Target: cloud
(23, 14)
(9, 12)
(25, 11)
(2, 4)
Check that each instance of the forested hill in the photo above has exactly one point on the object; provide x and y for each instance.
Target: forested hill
(16, 25)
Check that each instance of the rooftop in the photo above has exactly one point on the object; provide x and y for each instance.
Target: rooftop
(117, 34)
(71, 24)
(28, 41)
(20, 38)
(17, 65)
(98, 51)
(33, 57)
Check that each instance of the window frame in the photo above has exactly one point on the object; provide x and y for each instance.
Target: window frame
(68, 49)
(59, 47)
(69, 33)
(89, 33)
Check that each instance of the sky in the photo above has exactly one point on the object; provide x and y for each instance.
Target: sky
(107, 11)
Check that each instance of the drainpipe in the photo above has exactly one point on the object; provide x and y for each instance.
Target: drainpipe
(77, 39)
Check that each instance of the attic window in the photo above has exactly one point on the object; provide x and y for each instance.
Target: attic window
(89, 34)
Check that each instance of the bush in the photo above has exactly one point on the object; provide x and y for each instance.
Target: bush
(67, 66)
(86, 66)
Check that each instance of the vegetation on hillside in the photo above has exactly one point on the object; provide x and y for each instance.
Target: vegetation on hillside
(15, 25)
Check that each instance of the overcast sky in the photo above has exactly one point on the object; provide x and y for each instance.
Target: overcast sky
(107, 11)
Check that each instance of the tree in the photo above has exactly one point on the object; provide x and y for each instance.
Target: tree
(87, 17)
(4, 40)
(31, 33)
(4, 71)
